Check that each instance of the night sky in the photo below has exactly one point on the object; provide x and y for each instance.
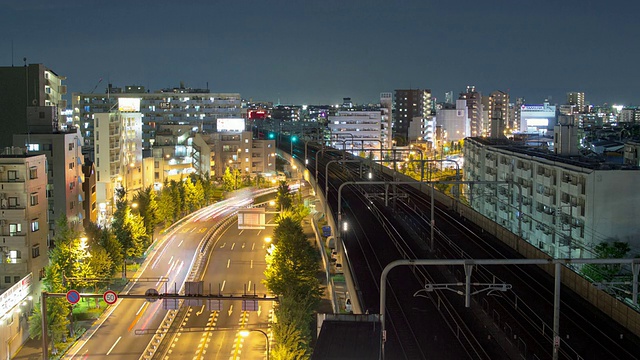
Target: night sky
(319, 51)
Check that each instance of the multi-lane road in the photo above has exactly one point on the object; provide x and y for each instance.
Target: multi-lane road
(235, 267)
(114, 335)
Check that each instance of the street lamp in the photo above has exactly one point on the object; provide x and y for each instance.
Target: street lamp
(245, 333)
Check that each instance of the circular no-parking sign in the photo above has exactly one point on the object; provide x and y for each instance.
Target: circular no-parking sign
(73, 296)
(110, 297)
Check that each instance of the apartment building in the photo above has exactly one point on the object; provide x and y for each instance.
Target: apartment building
(409, 105)
(475, 110)
(64, 164)
(23, 216)
(568, 204)
(25, 86)
(453, 121)
(118, 157)
(196, 107)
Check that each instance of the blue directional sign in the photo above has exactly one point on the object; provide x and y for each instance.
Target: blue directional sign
(73, 296)
(326, 231)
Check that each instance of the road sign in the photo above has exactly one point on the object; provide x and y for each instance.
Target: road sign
(151, 292)
(73, 296)
(249, 305)
(110, 297)
(214, 305)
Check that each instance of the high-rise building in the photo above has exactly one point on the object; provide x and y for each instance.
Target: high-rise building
(118, 157)
(199, 108)
(499, 114)
(24, 86)
(576, 99)
(386, 111)
(64, 164)
(409, 105)
(475, 109)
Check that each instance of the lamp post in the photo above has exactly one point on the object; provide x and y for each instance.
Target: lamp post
(245, 333)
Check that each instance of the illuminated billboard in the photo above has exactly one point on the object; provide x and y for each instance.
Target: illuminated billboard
(231, 124)
(129, 104)
(257, 114)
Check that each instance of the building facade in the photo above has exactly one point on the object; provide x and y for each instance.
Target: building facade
(118, 157)
(453, 121)
(23, 216)
(475, 110)
(409, 105)
(498, 114)
(568, 204)
(197, 107)
(537, 118)
(365, 128)
(24, 86)
(386, 111)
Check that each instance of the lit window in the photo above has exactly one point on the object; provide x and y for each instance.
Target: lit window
(33, 172)
(35, 225)
(33, 199)
(33, 147)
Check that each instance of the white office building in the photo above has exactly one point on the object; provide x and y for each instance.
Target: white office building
(454, 121)
(364, 127)
(537, 118)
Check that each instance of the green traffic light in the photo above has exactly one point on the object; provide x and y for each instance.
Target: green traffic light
(294, 138)
(272, 135)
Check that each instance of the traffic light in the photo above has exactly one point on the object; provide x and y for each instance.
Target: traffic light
(294, 138)
(272, 135)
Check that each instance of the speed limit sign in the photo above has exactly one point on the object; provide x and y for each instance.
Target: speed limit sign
(110, 297)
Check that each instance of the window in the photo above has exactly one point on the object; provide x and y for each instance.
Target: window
(7, 279)
(16, 279)
(33, 147)
(35, 225)
(35, 251)
(33, 172)
(15, 229)
(14, 257)
(71, 165)
(156, 175)
(33, 199)
(12, 175)
(72, 204)
(70, 146)
(13, 202)
(71, 185)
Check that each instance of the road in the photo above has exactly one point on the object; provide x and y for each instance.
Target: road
(166, 268)
(235, 267)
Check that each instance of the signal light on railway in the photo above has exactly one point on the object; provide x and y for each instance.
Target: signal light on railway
(272, 135)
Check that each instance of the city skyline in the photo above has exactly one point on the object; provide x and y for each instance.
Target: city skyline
(318, 53)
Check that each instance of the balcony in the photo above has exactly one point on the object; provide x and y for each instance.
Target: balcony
(18, 240)
(14, 213)
(17, 186)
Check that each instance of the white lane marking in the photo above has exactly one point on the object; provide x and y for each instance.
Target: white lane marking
(180, 243)
(201, 311)
(230, 310)
(253, 246)
(252, 264)
(228, 263)
(233, 245)
(249, 286)
(223, 284)
(223, 245)
(170, 260)
(138, 312)
(114, 345)
(243, 245)
(241, 231)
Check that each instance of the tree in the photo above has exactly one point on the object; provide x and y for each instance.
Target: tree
(606, 250)
(166, 206)
(283, 196)
(228, 180)
(58, 309)
(130, 231)
(148, 208)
